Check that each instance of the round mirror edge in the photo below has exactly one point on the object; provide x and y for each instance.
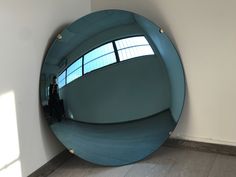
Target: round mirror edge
(183, 101)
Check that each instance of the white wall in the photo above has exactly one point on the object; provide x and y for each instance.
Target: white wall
(204, 33)
(26, 28)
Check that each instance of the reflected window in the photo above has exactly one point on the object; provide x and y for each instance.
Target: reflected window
(99, 57)
(133, 47)
(62, 79)
(74, 71)
(112, 52)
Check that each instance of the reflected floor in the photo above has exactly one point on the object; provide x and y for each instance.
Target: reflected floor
(115, 144)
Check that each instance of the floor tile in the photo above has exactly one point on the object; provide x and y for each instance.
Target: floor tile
(224, 166)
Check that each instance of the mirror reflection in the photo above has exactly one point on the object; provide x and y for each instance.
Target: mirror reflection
(112, 87)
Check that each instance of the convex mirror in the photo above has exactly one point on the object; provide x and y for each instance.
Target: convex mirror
(112, 87)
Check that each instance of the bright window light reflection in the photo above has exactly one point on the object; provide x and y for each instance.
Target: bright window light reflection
(74, 71)
(62, 79)
(99, 57)
(133, 47)
(9, 151)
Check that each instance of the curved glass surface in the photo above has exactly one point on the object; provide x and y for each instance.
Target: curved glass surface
(112, 87)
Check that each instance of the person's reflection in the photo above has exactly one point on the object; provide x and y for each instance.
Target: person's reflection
(56, 107)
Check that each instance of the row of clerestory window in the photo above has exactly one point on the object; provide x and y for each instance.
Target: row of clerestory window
(109, 53)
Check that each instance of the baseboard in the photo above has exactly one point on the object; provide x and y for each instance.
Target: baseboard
(200, 146)
(52, 165)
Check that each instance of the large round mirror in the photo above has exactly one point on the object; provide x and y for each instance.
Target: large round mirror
(112, 87)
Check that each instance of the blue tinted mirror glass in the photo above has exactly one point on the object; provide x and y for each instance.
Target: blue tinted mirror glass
(112, 87)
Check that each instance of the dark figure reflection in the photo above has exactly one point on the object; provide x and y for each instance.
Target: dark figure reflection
(56, 108)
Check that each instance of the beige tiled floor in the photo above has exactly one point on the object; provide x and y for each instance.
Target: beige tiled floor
(166, 162)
